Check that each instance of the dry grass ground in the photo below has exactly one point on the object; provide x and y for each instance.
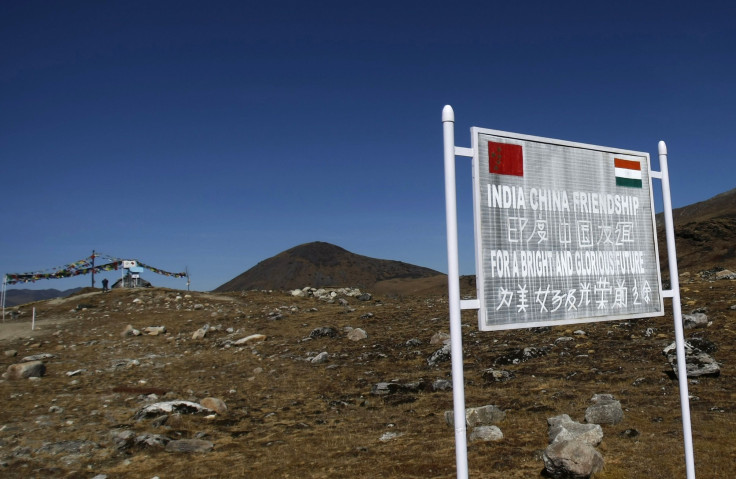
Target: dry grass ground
(289, 418)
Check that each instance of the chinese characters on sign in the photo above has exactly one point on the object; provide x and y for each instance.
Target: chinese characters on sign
(565, 232)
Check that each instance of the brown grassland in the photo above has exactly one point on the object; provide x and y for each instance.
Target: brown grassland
(287, 417)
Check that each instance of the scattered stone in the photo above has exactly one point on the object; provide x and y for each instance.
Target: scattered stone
(364, 297)
(37, 357)
(606, 410)
(697, 362)
(440, 338)
(562, 428)
(441, 355)
(725, 274)
(323, 332)
(572, 460)
(486, 433)
(153, 441)
(366, 316)
(201, 332)
(189, 446)
(215, 404)
(169, 407)
(357, 334)
(25, 370)
(250, 339)
(388, 436)
(155, 330)
(77, 446)
(386, 388)
(497, 375)
(11, 353)
(489, 415)
(413, 342)
(322, 357)
(130, 331)
(695, 320)
(518, 356)
(442, 385)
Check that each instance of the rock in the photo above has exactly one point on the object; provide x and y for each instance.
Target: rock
(562, 428)
(11, 353)
(322, 357)
(201, 332)
(413, 342)
(168, 407)
(606, 410)
(357, 334)
(440, 338)
(364, 297)
(250, 339)
(37, 357)
(695, 320)
(441, 355)
(697, 362)
(572, 460)
(299, 293)
(725, 274)
(130, 331)
(76, 446)
(155, 441)
(189, 446)
(386, 388)
(215, 404)
(497, 375)
(388, 436)
(33, 369)
(323, 332)
(518, 356)
(486, 433)
(442, 385)
(155, 330)
(489, 415)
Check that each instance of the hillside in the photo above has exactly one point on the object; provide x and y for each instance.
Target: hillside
(304, 396)
(705, 234)
(321, 264)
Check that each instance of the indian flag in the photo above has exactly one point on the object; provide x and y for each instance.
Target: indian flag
(628, 173)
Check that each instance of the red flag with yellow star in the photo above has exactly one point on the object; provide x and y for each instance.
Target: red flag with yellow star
(505, 159)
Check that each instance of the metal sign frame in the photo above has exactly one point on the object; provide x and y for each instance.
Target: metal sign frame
(456, 304)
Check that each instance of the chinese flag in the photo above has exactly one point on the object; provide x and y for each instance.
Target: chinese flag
(505, 159)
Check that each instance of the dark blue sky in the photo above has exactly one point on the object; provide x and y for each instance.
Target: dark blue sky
(216, 134)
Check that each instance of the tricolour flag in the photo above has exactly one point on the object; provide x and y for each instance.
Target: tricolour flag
(628, 173)
(505, 159)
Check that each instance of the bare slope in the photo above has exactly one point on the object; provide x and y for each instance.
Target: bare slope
(705, 234)
(321, 264)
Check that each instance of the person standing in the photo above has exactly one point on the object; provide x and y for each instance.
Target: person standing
(104, 284)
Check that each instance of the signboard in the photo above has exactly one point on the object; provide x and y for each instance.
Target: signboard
(564, 232)
(129, 263)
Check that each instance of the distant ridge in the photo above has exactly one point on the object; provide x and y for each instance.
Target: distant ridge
(14, 297)
(321, 264)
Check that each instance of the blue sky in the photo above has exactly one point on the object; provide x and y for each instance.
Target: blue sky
(213, 135)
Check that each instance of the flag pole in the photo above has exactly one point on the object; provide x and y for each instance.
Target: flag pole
(453, 286)
(677, 312)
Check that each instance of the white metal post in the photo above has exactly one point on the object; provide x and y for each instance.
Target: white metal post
(453, 285)
(5, 281)
(677, 312)
(33, 320)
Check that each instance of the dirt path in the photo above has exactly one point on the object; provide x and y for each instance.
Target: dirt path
(15, 329)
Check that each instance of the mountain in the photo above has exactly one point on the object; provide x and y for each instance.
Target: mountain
(14, 297)
(705, 234)
(320, 264)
